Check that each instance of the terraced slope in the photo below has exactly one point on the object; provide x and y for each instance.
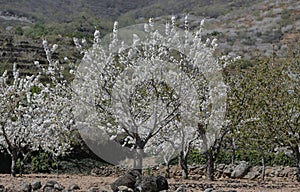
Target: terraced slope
(244, 27)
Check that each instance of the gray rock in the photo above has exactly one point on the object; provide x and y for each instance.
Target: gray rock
(147, 184)
(208, 190)
(152, 184)
(99, 189)
(2, 188)
(59, 187)
(162, 183)
(228, 169)
(286, 28)
(253, 174)
(25, 187)
(50, 183)
(125, 189)
(277, 10)
(220, 167)
(52, 186)
(128, 180)
(240, 170)
(94, 189)
(48, 189)
(36, 185)
(67, 190)
(181, 189)
(74, 187)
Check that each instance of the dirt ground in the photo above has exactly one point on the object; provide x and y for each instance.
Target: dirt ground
(85, 182)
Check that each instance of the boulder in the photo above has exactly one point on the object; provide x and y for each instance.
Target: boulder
(162, 183)
(240, 170)
(59, 187)
(25, 187)
(125, 189)
(128, 180)
(227, 170)
(2, 188)
(252, 174)
(152, 184)
(94, 189)
(181, 189)
(50, 183)
(52, 186)
(133, 180)
(99, 189)
(74, 187)
(208, 190)
(67, 190)
(36, 185)
(147, 184)
(48, 189)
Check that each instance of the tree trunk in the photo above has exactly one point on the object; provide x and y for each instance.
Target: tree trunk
(138, 160)
(21, 168)
(167, 175)
(23, 161)
(210, 165)
(13, 165)
(57, 166)
(298, 171)
(263, 171)
(232, 151)
(184, 165)
(297, 155)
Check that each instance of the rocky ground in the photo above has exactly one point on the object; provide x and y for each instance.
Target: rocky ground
(95, 183)
(238, 177)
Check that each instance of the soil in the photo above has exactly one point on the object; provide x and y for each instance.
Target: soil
(86, 181)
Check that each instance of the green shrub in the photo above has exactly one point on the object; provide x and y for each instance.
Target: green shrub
(78, 166)
(224, 157)
(196, 158)
(41, 163)
(19, 31)
(37, 31)
(281, 159)
(251, 156)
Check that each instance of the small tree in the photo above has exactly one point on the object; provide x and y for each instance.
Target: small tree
(287, 109)
(249, 98)
(263, 106)
(33, 116)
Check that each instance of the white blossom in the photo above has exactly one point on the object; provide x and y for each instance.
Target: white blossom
(33, 115)
(156, 89)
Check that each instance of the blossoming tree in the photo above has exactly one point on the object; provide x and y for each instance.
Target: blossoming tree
(145, 86)
(34, 116)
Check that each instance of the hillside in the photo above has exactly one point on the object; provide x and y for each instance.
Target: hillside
(205, 8)
(244, 27)
(78, 17)
(67, 10)
(264, 28)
